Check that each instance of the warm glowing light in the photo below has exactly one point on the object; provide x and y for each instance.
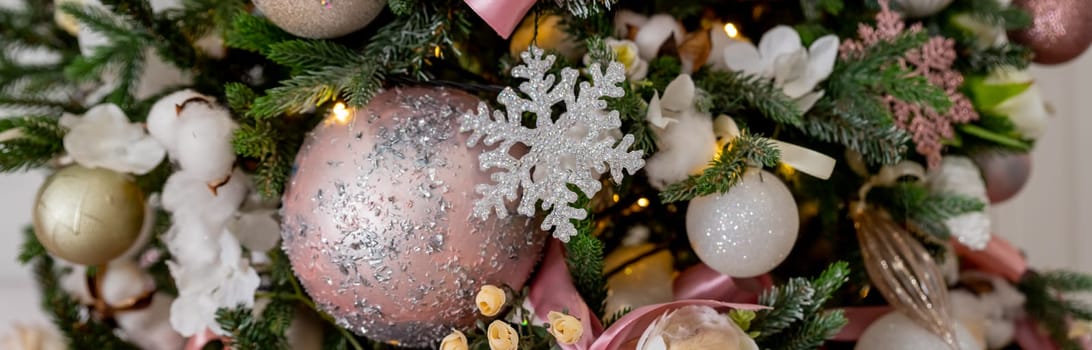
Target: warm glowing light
(731, 30)
(341, 114)
(786, 169)
(642, 202)
(437, 52)
(616, 198)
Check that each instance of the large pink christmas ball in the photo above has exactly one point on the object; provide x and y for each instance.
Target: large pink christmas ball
(1005, 174)
(1060, 29)
(378, 224)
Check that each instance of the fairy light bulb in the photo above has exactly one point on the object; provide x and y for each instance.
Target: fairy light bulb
(642, 202)
(341, 113)
(731, 30)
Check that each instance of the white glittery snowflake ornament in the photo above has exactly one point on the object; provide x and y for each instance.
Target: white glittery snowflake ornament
(573, 149)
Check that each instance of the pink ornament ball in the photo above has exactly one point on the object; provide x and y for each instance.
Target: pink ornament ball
(1060, 30)
(378, 226)
(1005, 174)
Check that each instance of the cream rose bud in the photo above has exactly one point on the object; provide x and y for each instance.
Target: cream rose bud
(565, 328)
(490, 300)
(502, 336)
(454, 341)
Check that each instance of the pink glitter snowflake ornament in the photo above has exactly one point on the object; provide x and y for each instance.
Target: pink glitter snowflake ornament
(933, 60)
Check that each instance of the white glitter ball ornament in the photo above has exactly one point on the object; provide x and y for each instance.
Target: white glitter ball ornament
(378, 226)
(747, 231)
(920, 8)
(895, 331)
(320, 19)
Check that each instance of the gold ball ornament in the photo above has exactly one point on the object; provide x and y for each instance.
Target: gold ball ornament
(320, 19)
(88, 216)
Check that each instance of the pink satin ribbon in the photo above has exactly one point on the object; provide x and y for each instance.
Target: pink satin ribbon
(999, 257)
(501, 15)
(702, 282)
(553, 290)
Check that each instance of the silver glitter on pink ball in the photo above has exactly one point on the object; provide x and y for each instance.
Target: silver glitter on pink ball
(378, 224)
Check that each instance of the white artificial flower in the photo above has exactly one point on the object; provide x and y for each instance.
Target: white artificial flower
(694, 328)
(625, 51)
(781, 56)
(1027, 110)
(24, 337)
(227, 282)
(649, 33)
(104, 138)
(684, 135)
(960, 175)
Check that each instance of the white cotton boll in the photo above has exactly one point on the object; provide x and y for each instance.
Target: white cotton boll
(257, 230)
(163, 119)
(227, 200)
(124, 281)
(204, 142)
(158, 76)
(191, 244)
(686, 147)
(184, 190)
(149, 327)
(192, 313)
(191, 200)
(75, 282)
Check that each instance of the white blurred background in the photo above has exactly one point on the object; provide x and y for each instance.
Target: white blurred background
(1048, 219)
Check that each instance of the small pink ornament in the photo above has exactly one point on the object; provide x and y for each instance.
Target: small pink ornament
(1005, 174)
(378, 224)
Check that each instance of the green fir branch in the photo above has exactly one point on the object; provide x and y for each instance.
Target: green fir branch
(983, 61)
(796, 319)
(408, 44)
(272, 142)
(585, 8)
(252, 33)
(585, 259)
(993, 12)
(912, 203)
(726, 170)
(1046, 303)
(1067, 281)
(30, 142)
(402, 7)
(734, 93)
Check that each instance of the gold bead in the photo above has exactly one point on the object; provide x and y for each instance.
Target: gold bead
(88, 216)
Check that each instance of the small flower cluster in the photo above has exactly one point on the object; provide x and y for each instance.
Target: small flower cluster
(933, 61)
(500, 335)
